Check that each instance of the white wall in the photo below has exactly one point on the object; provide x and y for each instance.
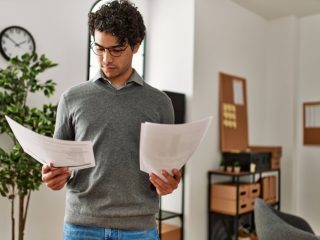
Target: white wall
(281, 78)
(231, 39)
(292, 78)
(170, 45)
(308, 163)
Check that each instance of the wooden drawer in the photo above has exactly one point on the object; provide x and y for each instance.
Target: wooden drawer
(229, 191)
(254, 190)
(229, 207)
(269, 189)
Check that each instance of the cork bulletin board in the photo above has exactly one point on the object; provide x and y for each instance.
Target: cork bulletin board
(311, 123)
(233, 113)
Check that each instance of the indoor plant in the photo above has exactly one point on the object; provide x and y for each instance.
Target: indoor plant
(19, 173)
(236, 167)
(222, 165)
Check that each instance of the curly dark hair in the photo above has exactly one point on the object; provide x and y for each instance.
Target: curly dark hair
(120, 18)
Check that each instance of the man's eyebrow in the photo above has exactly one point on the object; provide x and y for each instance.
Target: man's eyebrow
(115, 46)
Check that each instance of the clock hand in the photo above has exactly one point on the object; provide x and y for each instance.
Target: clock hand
(7, 36)
(20, 43)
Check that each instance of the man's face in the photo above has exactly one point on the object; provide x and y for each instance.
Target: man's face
(115, 59)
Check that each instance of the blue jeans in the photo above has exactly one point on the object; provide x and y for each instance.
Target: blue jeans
(77, 232)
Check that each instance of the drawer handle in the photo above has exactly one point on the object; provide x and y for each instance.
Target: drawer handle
(243, 206)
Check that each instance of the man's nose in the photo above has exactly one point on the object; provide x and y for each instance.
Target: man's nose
(107, 57)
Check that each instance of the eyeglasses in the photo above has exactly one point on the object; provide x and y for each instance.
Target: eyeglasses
(114, 51)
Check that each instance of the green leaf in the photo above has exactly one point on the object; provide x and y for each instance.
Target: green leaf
(21, 77)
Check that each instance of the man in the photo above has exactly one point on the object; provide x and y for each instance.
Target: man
(114, 199)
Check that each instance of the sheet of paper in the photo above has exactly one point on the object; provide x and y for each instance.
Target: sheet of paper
(238, 97)
(75, 155)
(168, 146)
(312, 116)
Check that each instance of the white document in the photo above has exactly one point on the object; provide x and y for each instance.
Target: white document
(168, 146)
(312, 116)
(62, 153)
(238, 97)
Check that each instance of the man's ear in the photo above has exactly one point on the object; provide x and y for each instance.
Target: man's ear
(136, 48)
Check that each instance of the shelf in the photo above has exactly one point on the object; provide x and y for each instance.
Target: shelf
(232, 174)
(235, 215)
(167, 215)
(231, 215)
(217, 229)
(225, 173)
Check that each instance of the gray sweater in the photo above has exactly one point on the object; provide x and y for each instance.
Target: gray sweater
(114, 193)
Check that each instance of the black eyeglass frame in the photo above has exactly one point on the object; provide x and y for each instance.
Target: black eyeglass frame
(114, 51)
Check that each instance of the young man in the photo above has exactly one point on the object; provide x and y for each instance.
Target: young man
(113, 200)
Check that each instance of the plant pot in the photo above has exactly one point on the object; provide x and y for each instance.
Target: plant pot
(221, 168)
(236, 169)
(229, 169)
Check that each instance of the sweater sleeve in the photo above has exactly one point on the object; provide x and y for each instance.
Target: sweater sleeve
(64, 128)
(167, 112)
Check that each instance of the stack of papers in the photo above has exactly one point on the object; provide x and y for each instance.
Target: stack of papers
(168, 146)
(62, 153)
(162, 146)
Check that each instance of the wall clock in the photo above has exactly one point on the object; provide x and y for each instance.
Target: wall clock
(16, 41)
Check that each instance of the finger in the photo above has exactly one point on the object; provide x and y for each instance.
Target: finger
(58, 180)
(176, 174)
(161, 191)
(57, 188)
(171, 181)
(160, 184)
(60, 184)
(45, 168)
(53, 173)
(53, 183)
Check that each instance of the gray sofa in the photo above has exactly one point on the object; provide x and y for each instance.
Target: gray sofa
(272, 224)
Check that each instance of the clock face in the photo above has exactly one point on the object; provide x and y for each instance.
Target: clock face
(16, 41)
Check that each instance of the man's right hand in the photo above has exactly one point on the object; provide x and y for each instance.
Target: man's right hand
(55, 178)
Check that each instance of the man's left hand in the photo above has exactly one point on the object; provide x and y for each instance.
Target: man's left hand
(166, 187)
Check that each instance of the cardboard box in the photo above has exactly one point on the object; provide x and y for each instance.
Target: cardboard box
(269, 189)
(224, 197)
(229, 191)
(229, 207)
(254, 190)
(273, 189)
(251, 207)
(170, 232)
